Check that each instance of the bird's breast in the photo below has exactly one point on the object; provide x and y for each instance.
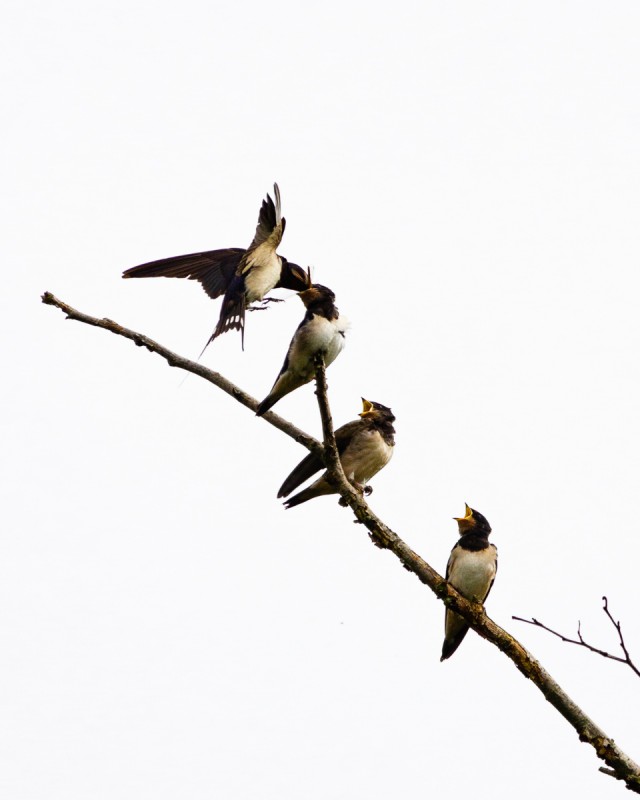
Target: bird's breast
(472, 571)
(262, 272)
(366, 455)
(318, 335)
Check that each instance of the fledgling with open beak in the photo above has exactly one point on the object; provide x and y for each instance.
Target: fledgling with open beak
(471, 569)
(243, 276)
(365, 446)
(322, 331)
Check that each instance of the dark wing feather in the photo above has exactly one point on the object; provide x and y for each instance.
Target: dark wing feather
(494, 577)
(269, 230)
(232, 311)
(450, 561)
(214, 269)
(312, 463)
(345, 433)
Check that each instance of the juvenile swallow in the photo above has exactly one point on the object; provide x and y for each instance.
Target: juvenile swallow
(471, 570)
(243, 276)
(365, 446)
(321, 331)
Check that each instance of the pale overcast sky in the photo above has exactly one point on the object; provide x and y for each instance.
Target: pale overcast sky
(465, 177)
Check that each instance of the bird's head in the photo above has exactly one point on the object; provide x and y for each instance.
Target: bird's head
(316, 293)
(472, 521)
(295, 277)
(371, 410)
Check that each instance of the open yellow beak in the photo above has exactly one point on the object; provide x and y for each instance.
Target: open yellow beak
(367, 408)
(468, 515)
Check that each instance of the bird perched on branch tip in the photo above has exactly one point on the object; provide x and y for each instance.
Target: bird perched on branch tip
(365, 446)
(242, 276)
(321, 332)
(471, 569)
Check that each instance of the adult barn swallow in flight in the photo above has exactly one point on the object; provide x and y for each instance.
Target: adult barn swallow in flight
(471, 569)
(321, 331)
(365, 446)
(243, 276)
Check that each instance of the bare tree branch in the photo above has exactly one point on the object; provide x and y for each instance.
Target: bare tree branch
(620, 765)
(582, 643)
(175, 360)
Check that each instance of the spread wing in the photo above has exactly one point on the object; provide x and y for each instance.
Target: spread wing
(312, 463)
(268, 233)
(214, 269)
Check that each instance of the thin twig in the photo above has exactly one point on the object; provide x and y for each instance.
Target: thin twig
(625, 768)
(580, 641)
(618, 627)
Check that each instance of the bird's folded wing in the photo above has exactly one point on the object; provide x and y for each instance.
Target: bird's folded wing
(312, 463)
(452, 558)
(214, 269)
(495, 550)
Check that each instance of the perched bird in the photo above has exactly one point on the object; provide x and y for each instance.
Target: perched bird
(471, 569)
(321, 331)
(365, 446)
(243, 276)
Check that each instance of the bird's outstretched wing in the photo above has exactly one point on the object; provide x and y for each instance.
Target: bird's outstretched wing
(312, 463)
(268, 233)
(214, 269)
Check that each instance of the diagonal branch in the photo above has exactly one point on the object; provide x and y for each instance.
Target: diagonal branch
(174, 360)
(582, 643)
(620, 765)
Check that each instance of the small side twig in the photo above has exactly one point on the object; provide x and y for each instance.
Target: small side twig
(580, 641)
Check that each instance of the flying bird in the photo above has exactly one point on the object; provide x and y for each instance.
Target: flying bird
(365, 446)
(471, 570)
(321, 331)
(243, 276)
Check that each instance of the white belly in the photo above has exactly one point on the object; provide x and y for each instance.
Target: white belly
(320, 335)
(472, 572)
(262, 272)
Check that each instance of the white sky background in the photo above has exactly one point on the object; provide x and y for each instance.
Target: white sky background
(465, 177)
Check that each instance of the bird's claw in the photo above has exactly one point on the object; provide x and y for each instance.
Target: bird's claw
(262, 306)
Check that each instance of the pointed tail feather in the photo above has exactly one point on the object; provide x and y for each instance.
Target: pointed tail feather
(456, 630)
(305, 469)
(301, 497)
(318, 488)
(269, 401)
